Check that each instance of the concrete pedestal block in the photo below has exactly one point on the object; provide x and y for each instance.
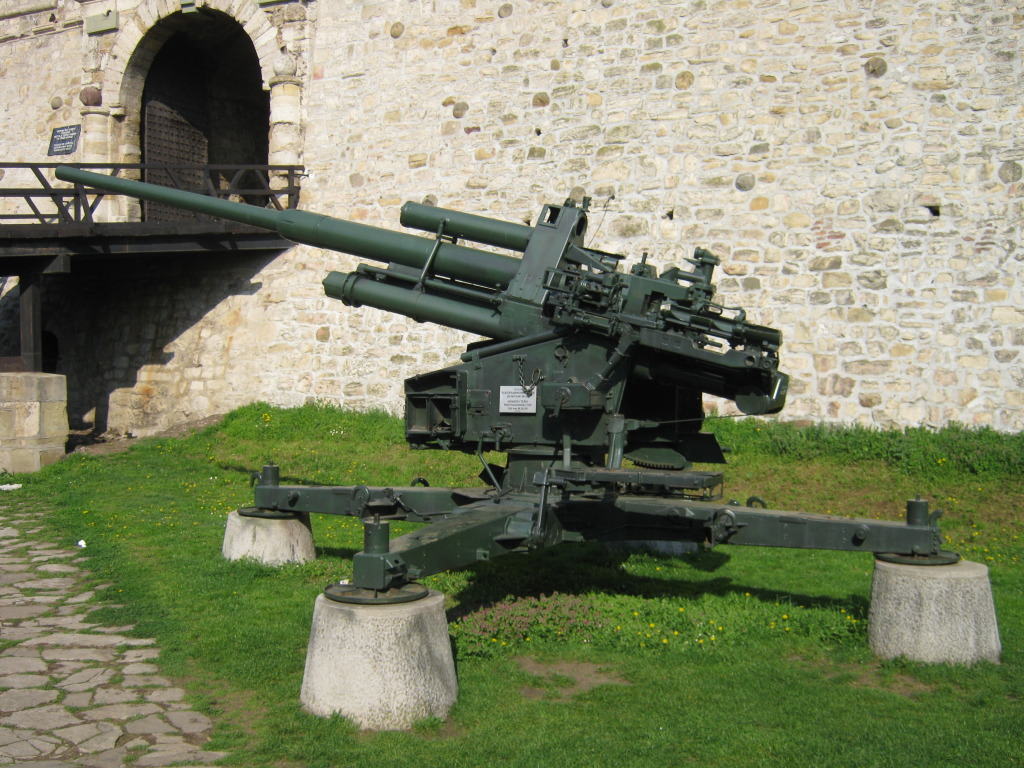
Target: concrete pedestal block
(933, 613)
(268, 541)
(382, 666)
(33, 420)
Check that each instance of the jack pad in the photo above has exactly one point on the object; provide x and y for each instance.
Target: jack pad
(350, 593)
(942, 557)
(267, 514)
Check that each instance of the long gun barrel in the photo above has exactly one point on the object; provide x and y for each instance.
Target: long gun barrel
(665, 325)
(458, 262)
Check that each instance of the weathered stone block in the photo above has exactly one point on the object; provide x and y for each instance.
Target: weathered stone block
(26, 419)
(1008, 315)
(623, 133)
(836, 280)
(860, 315)
(825, 263)
(629, 226)
(836, 385)
(34, 421)
(16, 459)
(867, 367)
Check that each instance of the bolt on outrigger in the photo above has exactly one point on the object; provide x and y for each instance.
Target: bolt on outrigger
(590, 381)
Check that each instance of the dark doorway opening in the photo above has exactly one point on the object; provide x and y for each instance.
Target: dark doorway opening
(203, 103)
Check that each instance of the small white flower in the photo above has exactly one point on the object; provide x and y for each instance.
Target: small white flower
(81, 543)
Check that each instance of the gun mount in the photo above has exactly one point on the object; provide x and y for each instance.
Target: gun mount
(590, 380)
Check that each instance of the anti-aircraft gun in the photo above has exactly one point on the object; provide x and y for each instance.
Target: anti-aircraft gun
(590, 381)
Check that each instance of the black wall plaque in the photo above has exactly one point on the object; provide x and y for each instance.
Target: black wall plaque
(64, 141)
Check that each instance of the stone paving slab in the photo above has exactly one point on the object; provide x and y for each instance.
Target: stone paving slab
(10, 665)
(74, 693)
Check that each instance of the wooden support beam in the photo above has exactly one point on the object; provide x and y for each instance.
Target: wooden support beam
(31, 305)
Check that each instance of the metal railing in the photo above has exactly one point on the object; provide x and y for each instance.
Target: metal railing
(272, 186)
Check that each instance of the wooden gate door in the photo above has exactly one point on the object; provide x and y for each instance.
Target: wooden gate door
(175, 120)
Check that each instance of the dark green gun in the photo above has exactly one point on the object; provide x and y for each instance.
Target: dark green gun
(590, 381)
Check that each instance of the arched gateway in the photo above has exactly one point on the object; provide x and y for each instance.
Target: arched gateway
(181, 97)
(202, 103)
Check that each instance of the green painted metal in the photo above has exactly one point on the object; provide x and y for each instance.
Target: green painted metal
(590, 381)
(350, 593)
(457, 262)
(357, 289)
(466, 226)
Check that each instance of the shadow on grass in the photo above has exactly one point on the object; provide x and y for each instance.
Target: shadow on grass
(594, 568)
(343, 553)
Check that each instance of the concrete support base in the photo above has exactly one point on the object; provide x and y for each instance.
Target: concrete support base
(271, 542)
(934, 613)
(382, 666)
(33, 420)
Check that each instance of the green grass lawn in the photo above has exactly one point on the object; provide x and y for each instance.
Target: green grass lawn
(578, 655)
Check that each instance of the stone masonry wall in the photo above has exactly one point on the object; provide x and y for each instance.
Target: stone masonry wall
(857, 167)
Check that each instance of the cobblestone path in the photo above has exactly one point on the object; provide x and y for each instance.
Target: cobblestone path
(72, 692)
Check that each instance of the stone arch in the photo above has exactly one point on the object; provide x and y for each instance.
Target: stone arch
(138, 43)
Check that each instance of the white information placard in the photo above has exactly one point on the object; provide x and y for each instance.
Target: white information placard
(515, 400)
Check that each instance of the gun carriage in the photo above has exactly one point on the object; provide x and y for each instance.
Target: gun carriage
(590, 381)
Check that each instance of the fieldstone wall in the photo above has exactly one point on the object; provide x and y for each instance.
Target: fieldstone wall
(158, 335)
(41, 77)
(857, 167)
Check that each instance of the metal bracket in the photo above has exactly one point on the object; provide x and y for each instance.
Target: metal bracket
(270, 475)
(350, 593)
(267, 514)
(720, 526)
(546, 481)
(942, 557)
(429, 263)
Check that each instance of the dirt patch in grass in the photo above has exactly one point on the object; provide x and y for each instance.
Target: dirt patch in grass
(441, 732)
(869, 675)
(561, 680)
(87, 441)
(904, 685)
